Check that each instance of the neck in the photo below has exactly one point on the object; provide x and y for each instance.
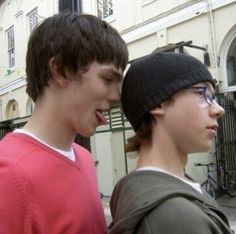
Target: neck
(55, 133)
(164, 156)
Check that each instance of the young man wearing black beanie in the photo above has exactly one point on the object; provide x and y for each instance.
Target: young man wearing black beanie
(170, 102)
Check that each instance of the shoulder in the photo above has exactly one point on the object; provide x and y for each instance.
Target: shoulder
(179, 215)
(14, 146)
(179, 206)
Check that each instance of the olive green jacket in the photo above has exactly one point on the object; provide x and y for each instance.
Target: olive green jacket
(146, 202)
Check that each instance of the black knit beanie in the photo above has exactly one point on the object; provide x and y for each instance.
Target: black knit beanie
(155, 78)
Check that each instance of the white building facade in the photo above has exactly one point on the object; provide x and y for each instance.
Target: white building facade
(205, 29)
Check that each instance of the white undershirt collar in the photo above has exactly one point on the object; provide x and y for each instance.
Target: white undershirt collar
(194, 185)
(70, 154)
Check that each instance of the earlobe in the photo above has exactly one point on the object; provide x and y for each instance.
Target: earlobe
(157, 111)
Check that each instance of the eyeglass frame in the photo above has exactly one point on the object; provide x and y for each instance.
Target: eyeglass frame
(208, 99)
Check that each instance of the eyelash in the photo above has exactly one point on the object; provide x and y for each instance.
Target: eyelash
(200, 92)
(108, 80)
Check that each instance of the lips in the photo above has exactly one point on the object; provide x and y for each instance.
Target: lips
(101, 117)
(213, 128)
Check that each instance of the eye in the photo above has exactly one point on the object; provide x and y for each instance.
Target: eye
(108, 80)
(200, 91)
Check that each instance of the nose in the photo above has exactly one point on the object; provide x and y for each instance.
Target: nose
(114, 94)
(217, 110)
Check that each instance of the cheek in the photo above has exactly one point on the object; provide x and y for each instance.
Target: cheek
(182, 116)
(183, 121)
(95, 92)
(187, 112)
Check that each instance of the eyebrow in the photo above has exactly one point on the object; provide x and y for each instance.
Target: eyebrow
(205, 84)
(113, 73)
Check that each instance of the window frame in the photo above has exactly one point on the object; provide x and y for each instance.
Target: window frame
(231, 62)
(32, 16)
(10, 35)
(101, 4)
(222, 62)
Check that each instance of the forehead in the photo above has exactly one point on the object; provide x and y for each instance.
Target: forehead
(108, 69)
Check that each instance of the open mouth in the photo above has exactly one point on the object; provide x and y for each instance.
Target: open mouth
(213, 129)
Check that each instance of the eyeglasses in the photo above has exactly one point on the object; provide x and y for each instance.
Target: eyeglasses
(207, 94)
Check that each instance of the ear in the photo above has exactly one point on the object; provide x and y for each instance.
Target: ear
(57, 75)
(157, 111)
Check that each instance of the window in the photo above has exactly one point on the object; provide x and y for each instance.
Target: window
(12, 109)
(32, 19)
(231, 64)
(104, 8)
(227, 62)
(71, 5)
(11, 47)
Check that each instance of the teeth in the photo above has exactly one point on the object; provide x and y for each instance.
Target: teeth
(214, 128)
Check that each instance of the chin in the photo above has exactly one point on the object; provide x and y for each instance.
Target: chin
(206, 148)
(87, 132)
(201, 149)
